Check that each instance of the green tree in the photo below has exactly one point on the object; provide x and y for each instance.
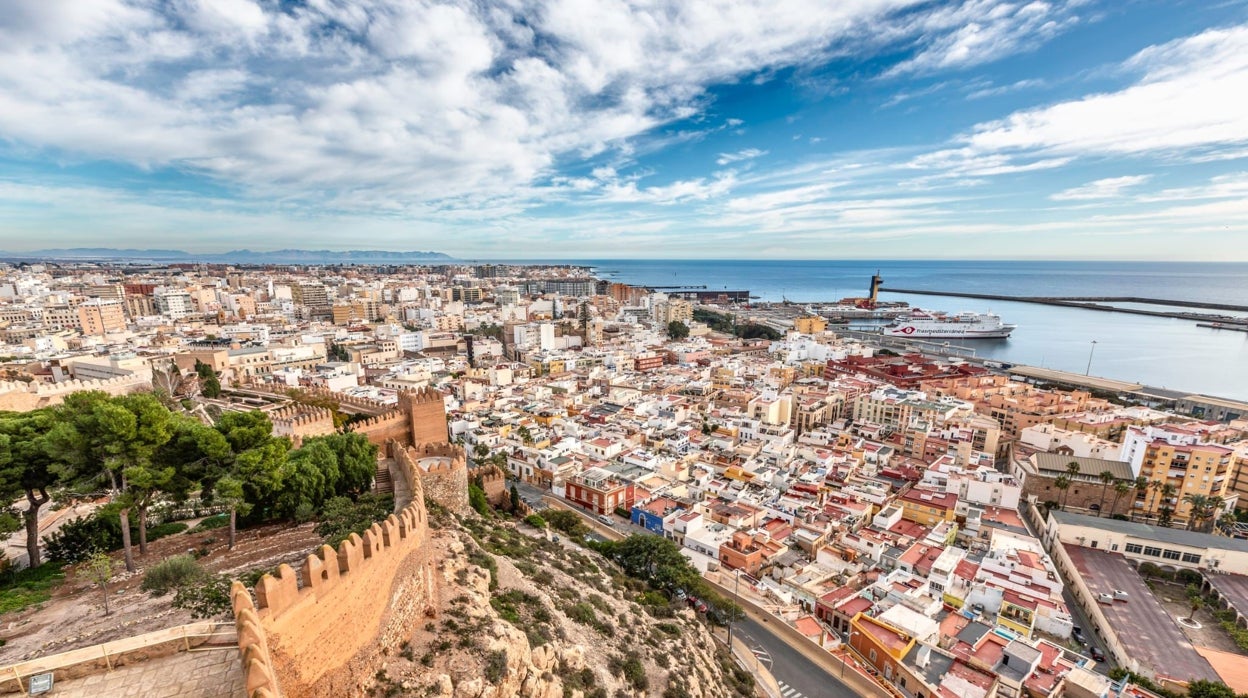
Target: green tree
(677, 330)
(27, 469)
(209, 383)
(1197, 506)
(308, 479)
(98, 569)
(1121, 488)
(1062, 483)
(515, 499)
(1107, 478)
(113, 440)
(1167, 509)
(1203, 688)
(1142, 486)
(357, 463)
(525, 435)
(583, 316)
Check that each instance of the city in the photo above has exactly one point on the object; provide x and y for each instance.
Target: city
(897, 520)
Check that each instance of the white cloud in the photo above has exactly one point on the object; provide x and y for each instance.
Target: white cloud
(979, 31)
(1189, 98)
(1109, 188)
(746, 154)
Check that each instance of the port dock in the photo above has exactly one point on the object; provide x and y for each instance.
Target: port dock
(1098, 303)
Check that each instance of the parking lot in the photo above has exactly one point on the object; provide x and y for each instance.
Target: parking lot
(1146, 631)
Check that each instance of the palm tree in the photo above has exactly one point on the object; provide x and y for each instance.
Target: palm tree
(1106, 478)
(1198, 505)
(1120, 488)
(1062, 483)
(1158, 487)
(1142, 486)
(1167, 511)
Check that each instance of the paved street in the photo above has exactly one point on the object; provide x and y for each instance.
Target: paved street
(798, 676)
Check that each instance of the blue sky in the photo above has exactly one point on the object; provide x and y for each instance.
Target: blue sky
(607, 128)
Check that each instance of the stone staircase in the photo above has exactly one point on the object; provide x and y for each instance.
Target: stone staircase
(383, 483)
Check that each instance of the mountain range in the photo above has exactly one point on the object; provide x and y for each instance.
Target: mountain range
(232, 257)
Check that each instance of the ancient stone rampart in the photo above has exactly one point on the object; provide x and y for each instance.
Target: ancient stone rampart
(381, 429)
(443, 472)
(363, 403)
(317, 631)
(17, 396)
(299, 422)
(427, 409)
(492, 481)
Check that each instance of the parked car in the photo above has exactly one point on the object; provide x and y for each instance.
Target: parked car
(1077, 634)
(1105, 599)
(680, 594)
(606, 519)
(1120, 595)
(1097, 654)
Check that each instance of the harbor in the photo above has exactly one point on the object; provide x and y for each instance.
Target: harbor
(1102, 304)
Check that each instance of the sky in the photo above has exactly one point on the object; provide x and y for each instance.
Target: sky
(593, 129)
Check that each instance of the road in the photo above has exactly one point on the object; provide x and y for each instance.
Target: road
(798, 676)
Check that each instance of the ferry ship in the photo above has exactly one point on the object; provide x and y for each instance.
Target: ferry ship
(927, 325)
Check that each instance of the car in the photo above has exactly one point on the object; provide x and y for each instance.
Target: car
(1097, 654)
(680, 594)
(1077, 634)
(1120, 595)
(606, 519)
(1105, 599)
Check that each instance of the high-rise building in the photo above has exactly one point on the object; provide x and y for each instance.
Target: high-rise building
(309, 294)
(174, 303)
(99, 316)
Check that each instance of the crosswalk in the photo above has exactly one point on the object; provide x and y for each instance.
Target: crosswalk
(788, 691)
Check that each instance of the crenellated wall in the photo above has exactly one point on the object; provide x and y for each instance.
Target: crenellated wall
(299, 422)
(16, 396)
(390, 426)
(317, 631)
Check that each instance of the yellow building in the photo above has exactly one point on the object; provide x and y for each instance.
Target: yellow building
(927, 507)
(1197, 469)
(812, 324)
(99, 317)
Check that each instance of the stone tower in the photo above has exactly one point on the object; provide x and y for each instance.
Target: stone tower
(428, 414)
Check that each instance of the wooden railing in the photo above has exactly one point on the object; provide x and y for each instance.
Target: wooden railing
(182, 638)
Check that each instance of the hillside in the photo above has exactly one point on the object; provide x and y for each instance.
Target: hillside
(520, 615)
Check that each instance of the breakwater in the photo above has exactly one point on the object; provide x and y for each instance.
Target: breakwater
(1098, 303)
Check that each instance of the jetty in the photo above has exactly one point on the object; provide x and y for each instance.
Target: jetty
(1099, 303)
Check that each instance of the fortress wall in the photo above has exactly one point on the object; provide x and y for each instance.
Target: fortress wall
(16, 396)
(427, 408)
(391, 426)
(321, 629)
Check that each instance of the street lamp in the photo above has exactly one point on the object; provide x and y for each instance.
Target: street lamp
(736, 592)
(848, 637)
(1091, 351)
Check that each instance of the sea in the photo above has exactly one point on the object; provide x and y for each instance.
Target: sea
(1160, 352)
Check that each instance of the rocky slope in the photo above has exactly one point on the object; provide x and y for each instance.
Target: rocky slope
(520, 615)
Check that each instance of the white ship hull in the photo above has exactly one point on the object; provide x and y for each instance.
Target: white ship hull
(939, 326)
(915, 333)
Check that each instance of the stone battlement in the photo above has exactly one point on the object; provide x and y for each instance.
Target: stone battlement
(17, 396)
(308, 627)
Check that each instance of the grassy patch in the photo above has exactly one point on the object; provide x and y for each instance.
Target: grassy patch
(30, 586)
(211, 523)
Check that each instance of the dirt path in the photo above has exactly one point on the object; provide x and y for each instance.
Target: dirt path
(74, 617)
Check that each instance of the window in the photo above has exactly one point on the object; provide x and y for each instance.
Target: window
(1113, 547)
(1094, 544)
(1170, 554)
(1191, 557)
(872, 656)
(1151, 551)
(1134, 548)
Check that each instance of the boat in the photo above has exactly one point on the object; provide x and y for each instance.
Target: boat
(930, 325)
